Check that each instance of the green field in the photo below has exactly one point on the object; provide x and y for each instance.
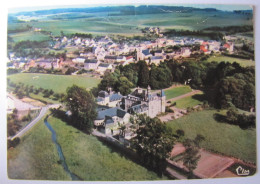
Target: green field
(188, 102)
(242, 62)
(102, 23)
(29, 35)
(58, 83)
(176, 91)
(219, 136)
(36, 157)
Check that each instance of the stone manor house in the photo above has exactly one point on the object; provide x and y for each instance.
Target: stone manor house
(116, 109)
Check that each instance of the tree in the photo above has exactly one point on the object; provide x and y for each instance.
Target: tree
(191, 155)
(109, 80)
(143, 74)
(124, 86)
(153, 142)
(160, 76)
(82, 105)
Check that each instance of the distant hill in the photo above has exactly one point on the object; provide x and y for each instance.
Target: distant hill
(127, 10)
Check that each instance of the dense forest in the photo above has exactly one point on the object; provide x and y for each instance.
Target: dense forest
(228, 84)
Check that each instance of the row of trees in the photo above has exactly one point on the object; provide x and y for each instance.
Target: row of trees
(22, 90)
(211, 35)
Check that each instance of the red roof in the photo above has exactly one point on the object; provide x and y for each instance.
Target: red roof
(203, 48)
(129, 57)
(205, 43)
(226, 45)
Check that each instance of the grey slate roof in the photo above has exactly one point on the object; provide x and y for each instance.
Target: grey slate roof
(138, 108)
(103, 94)
(103, 65)
(146, 52)
(111, 112)
(91, 61)
(156, 57)
(115, 97)
(111, 57)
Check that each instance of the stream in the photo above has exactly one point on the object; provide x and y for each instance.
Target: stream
(61, 156)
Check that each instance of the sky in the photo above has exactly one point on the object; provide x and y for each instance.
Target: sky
(217, 6)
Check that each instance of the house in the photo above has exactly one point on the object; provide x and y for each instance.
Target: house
(97, 50)
(47, 64)
(143, 101)
(158, 52)
(185, 52)
(129, 59)
(91, 64)
(110, 59)
(109, 119)
(156, 59)
(204, 49)
(102, 67)
(79, 60)
(109, 99)
(229, 47)
(143, 54)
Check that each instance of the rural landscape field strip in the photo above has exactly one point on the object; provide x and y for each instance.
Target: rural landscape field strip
(58, 83)
(220, 137)
(59, 149)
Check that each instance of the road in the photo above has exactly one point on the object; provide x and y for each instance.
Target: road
(32, 123)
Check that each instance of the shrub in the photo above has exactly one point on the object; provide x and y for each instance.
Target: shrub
(13, 143)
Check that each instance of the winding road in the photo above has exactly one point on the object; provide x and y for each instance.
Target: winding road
(32, 123)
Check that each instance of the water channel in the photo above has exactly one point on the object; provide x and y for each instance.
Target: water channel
(61, 156)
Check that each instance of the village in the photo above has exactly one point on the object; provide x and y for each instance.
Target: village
(103, 54)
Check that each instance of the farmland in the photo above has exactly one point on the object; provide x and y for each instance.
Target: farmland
(36, 157)
(220, 137)
(28, 35)
(242, 62)
(103, 23)
(58, 83)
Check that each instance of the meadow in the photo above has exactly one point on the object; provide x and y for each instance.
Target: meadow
(242, 62)
(58, 83)
(36, 157)
(176, 91)
(220, 137)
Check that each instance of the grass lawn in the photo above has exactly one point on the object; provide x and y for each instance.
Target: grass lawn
(35, 157)
(58, 83)
(176, 91)
(90, 159)
(219, 136)
(242, 62)
(190, 101)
